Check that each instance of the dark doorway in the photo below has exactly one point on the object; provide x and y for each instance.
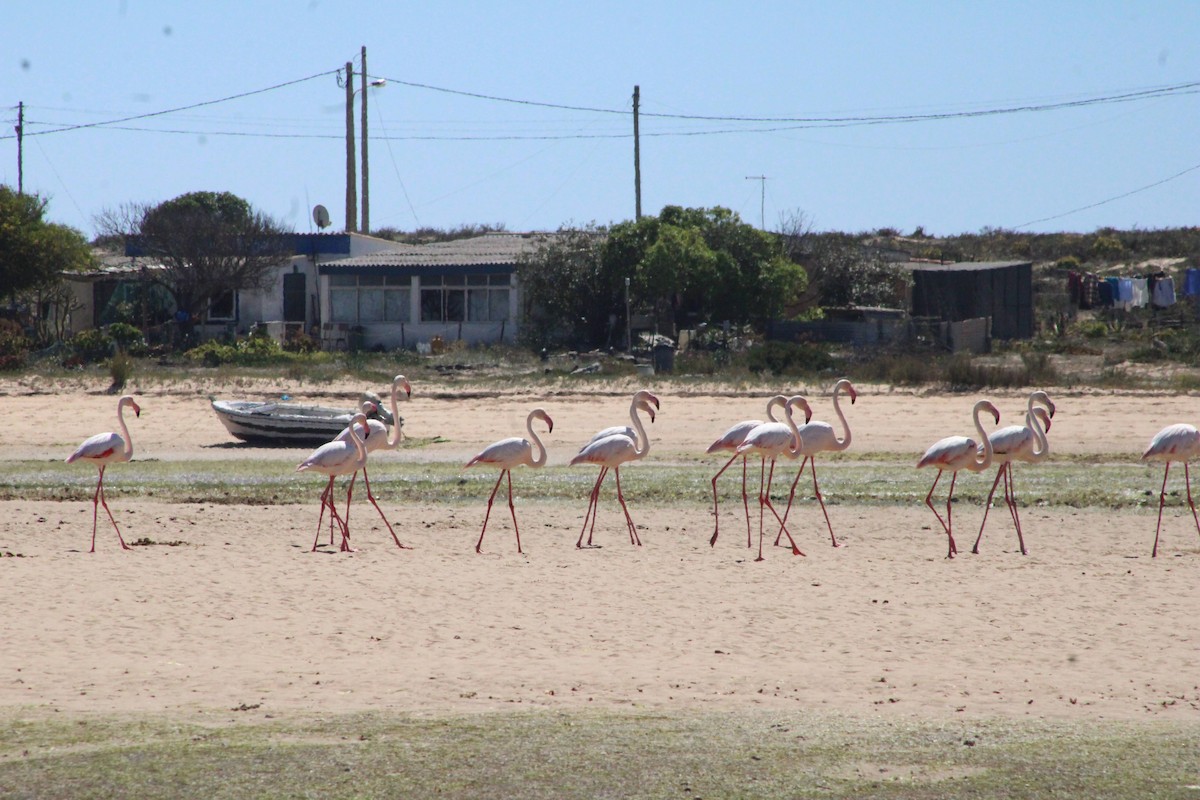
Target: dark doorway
(294, 291)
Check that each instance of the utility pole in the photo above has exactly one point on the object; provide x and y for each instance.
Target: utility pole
(762, 202)
(366, 194)
(20, 147)
(351, 183)
(637, 153)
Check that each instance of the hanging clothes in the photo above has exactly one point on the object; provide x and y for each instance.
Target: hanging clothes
(1125, 293)
(1163, 294)
(1191, 282)
(1105, 293)
(1075, 289)
(1139, 296)
(1090, 293)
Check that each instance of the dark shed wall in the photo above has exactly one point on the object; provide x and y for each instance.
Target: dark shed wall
(1004, 293)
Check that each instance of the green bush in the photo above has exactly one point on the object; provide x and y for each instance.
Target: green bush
(14, 345)
(120, 368)
(127, 338)
(788, 358)
(91, 346)
(253, 351)
(298, 341)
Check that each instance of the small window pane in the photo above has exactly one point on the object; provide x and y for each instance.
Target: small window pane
(499, 280)
(498, 304)
(370, 280)
(396, 305)
(370, 305)
(396, 280)
(431, 305)
(477, 280)
(477, 305)
(453, 280)
(456, 305)
(343, 280)
(343, 305)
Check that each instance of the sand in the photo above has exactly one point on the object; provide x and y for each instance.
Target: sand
(238, 614)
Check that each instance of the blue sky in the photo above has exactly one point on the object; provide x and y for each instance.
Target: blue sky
(446, 158)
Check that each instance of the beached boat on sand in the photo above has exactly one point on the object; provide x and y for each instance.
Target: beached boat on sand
(281, 423)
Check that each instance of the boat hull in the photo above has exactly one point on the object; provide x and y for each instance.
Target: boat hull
(283, 424)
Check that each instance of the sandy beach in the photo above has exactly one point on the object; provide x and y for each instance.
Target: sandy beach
(230, 609)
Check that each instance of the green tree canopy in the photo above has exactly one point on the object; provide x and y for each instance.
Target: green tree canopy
(33, 252)
(209, 243)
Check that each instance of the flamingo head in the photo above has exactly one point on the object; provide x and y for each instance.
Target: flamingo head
(1044, 417)
(369, 408)
(644, 395)
(400, 382)
(542, 415)
(361, 419)
(797, 400)
(849, 387)
(648, 407)
(986, 405)
(128, 400)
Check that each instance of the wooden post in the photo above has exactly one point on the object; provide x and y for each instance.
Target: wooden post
(637, 154)
(366, 194)
(351, 183)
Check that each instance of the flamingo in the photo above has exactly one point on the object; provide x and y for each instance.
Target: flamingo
(729, 442)
(509, 453)
(952, 454)
(338, 458)
(378, 438)
(104, 449)
(1018, 443)
(1179, 442)
(772, 439)
(819, 437)
(643, 401)
(610, 452)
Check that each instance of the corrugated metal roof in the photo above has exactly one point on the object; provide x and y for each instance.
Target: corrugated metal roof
(489, 249)
(959, 266)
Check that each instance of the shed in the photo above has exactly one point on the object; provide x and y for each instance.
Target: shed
(1000, 290)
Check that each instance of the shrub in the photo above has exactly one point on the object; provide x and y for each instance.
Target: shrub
(91, 346)
(788, 358)
(254, 351)
(120, 368)
(127, 338)
(298, 341)
(14, 345)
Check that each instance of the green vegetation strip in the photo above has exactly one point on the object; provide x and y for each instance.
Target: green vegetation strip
(593, 755)
(1072, 484)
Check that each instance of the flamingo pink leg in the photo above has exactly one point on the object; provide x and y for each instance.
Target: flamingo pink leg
(346, 548)
(327, 502)
(1162, 498)
(791, 494)
(716, 513)
(746, 504)
(947, 522)
(988, 505)
(97, 501)
(382, 516)
(764, 499)
(591, 509)
(1188, 481)
(1010, 495)
(633, 537)
(511, 509)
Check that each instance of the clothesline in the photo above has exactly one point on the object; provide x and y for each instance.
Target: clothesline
(1088, 290)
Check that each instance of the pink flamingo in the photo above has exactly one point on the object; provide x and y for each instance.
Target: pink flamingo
(819, 437)
(772, 439)
(104, 449)
(338, 458)
(378, 438)
(610, 452)
(1018, 443)
(1173, 443)
(952, 454)
(509, 453)
(729, 442)
(642, 401)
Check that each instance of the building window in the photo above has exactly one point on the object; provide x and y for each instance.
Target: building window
(359, 299)
(223, 307)
(473, 298)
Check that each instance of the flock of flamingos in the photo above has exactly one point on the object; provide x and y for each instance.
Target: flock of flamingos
(610, 448)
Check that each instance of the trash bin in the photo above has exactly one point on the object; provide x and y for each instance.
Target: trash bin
(664, 358)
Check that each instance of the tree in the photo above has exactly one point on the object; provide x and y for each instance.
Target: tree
(846, 273)
(34, 252)
(209, 243)
(562, 288)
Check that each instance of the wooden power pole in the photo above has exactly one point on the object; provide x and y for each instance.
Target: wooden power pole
(351, 183)
(366, 194)
(20, 147)
(637, 154)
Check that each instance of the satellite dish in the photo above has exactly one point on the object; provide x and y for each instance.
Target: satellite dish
(321, 216)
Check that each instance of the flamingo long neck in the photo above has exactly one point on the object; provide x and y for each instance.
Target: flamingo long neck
(1041, 446)
(396, 435)
(360, 449)
(983, 461)
(794, 449)
(128, 451)
(778, 401)
(539, 459)
(844, 442)
(642, 444)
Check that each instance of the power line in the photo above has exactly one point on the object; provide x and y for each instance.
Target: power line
(163, 112)
(1192, 168)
